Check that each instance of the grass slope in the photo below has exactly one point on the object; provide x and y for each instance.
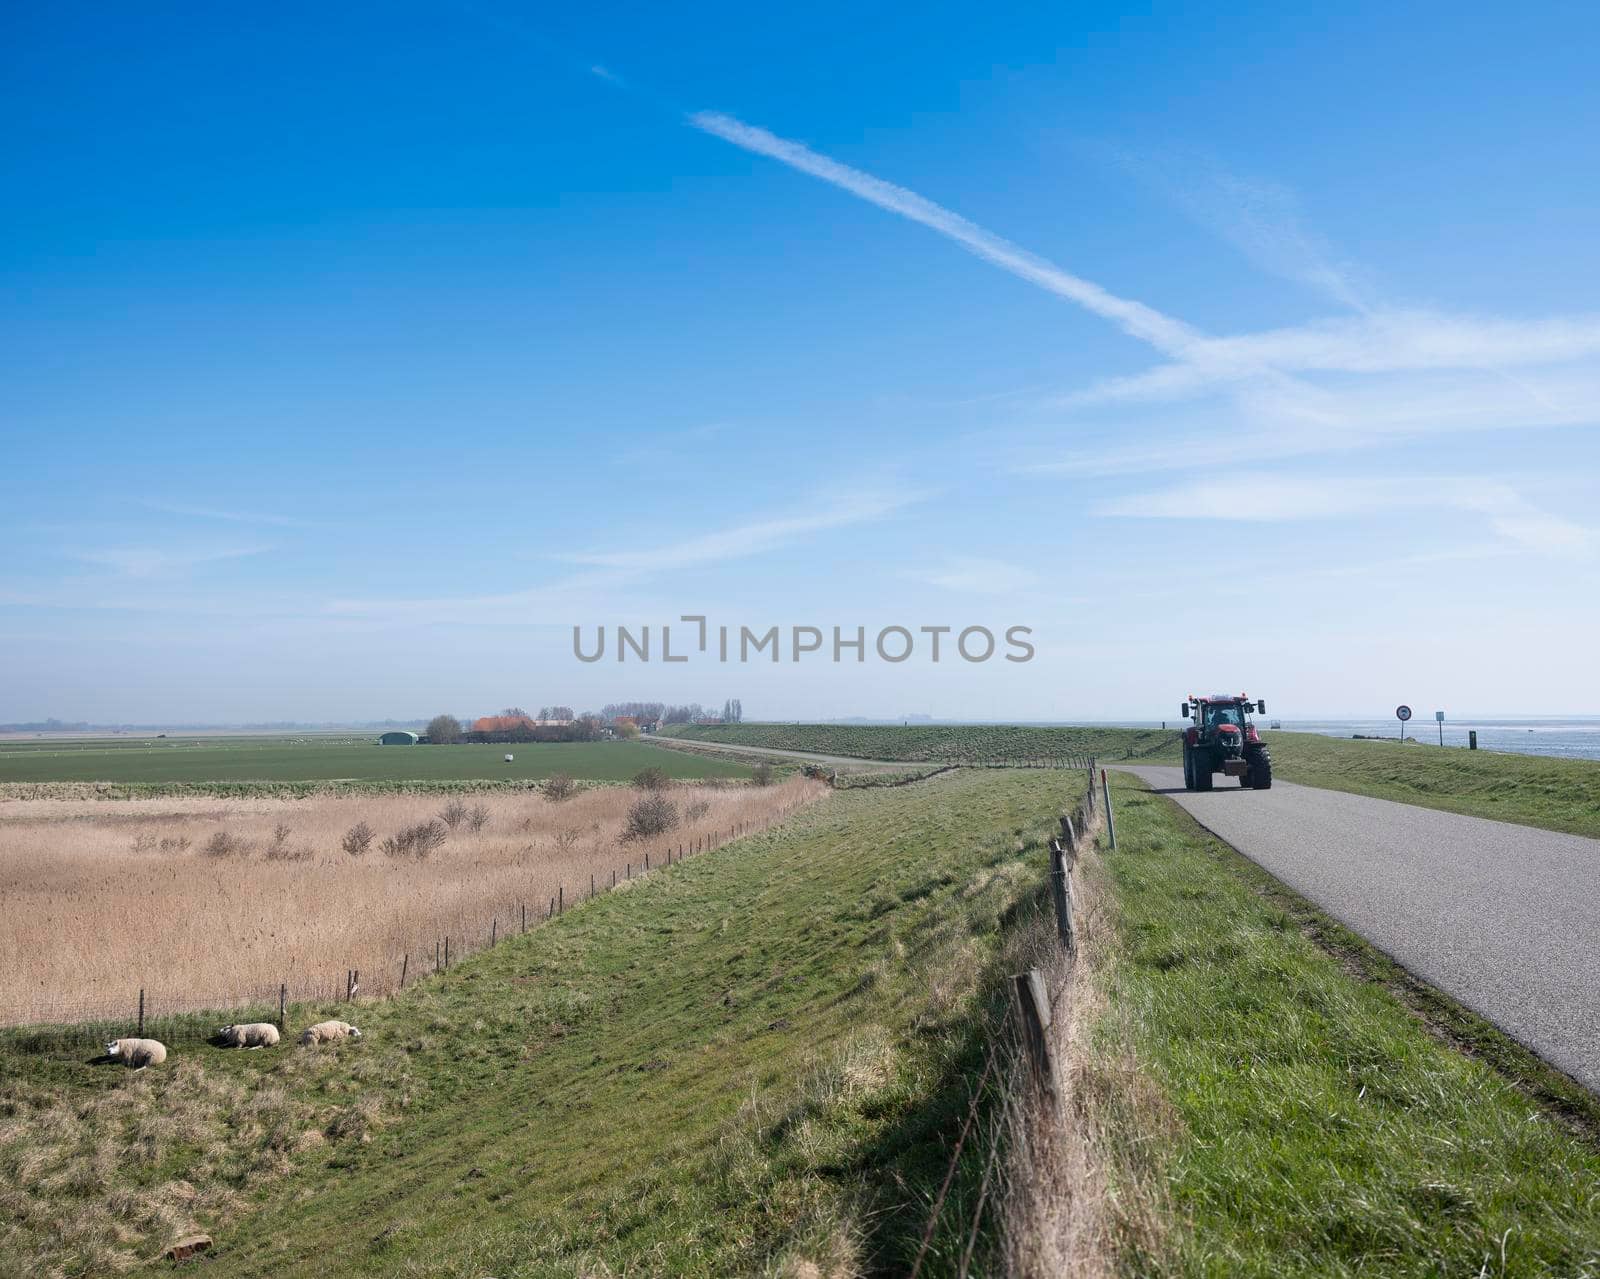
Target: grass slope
(1557, 794)
(930, 743)
(1321, 1129)
(757, 1056)
(207, 760)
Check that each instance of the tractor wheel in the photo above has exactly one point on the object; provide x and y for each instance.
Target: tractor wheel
(1202, 770)
(1261, 770)
(1188, 768)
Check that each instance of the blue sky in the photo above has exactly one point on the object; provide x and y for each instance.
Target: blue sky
(349, 358)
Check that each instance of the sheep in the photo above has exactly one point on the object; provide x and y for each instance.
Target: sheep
(327, 1031)
(255, 1034)
(138, 1053)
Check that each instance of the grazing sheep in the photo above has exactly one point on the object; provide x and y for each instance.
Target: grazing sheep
(327, 1031)
(138, 1053)
(255, 1034)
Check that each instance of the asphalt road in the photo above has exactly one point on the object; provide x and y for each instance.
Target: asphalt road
(1504, 918)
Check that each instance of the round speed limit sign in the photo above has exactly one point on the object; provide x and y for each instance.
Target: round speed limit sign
(1402, 713)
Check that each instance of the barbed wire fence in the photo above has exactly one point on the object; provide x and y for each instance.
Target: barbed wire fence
(1020, 1082)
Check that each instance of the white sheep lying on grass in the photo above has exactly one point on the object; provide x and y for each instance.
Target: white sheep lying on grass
(255, 1034)
(138, 1053)
(327, 1031)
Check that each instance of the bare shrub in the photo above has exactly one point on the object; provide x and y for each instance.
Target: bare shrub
(695, 809)
(651, 779)
(477, 818)
(357, 839)
(225, 844)
(567, 840)
(560, 787)
(655, 814)
(175, 843)
(416, 841)
(762, 774)
(454, 813)
(144, 842)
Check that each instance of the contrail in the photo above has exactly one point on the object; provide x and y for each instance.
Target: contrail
(1171, 337)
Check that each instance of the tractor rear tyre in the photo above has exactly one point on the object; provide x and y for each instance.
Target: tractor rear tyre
(1202, 771)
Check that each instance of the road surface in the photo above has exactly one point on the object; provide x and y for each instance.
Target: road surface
(1504, 918)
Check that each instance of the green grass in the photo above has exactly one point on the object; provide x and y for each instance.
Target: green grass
(1557, 794)
(757, 1056)
(312, 759)
(1322, 1129)
(931, 743)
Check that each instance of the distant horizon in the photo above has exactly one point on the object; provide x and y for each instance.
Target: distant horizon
(1419, 719)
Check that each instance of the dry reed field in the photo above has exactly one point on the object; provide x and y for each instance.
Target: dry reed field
(207, 902)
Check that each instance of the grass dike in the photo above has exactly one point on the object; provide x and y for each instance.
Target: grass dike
(1327, 1117)
(750, 1063)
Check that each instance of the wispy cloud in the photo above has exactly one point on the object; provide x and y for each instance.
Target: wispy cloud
(753, 538)
(231, 516)
(1260, 218)
(1283, 392)
(145, 561)
(1275, 498)
(976, 575)
(1135, 318)
(672, 446)
(598, 590)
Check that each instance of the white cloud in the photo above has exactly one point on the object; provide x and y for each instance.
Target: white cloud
(975, 575)
(1274, 498)
(143, 561)
(1135, 318)
(753, 538)
(235, 517)
(1267, 381)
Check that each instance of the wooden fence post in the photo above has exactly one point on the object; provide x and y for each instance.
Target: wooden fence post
(1069, 837)
(1061, 890)
(591, 883)
(494, 930)
(447, 950)
(524, 916)
(283, 1005)
(561, 899)
(1033, 1003)
(1111, 821)
(435, 954)
(141, 1012)
(405, 963)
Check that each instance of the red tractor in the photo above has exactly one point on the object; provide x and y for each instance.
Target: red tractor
(1223, 740)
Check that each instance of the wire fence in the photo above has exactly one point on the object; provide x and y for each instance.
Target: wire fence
(189, 1017)
(1020, 1082)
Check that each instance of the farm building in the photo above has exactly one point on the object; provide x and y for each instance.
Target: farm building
(398, 737)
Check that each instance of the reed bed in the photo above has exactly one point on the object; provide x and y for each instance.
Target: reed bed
(209, 902)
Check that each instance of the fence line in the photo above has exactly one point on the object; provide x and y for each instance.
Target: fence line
(190, 1018)
(1021, 1038)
